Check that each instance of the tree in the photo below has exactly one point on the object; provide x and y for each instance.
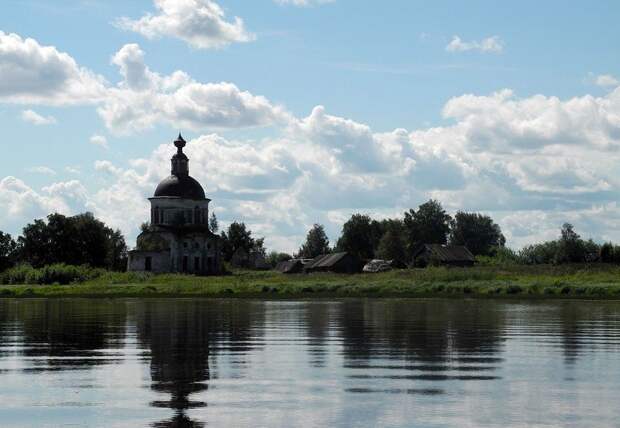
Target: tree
(392, 246)
(607, 252)
(477, 232)
(239, 236)
(572, 248)
(8, 249)
(430, 224)
(358, 237)
(316, 243)
(258, 247)
(213, 223)
(274, 257)
(77, 240)
(116, 258)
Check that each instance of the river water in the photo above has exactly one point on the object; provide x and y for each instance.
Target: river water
(345, 363)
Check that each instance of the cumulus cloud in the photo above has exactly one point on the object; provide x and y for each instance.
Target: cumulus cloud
(34, 74)
(491, 44)
(144, 98)
(99, 140)
(607, 81)
(523, 160)
(31, 73)
(31, 116)
(200, 23)
(21, 204)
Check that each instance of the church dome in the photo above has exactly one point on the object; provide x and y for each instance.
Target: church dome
(180, 184)
(180, 187)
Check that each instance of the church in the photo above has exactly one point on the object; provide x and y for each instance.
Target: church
(178, 238)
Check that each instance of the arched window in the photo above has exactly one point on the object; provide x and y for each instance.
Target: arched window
(156, 215)
(197, 215)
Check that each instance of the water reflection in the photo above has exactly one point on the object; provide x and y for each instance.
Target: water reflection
(193, 362)
(179, 342)
(180, 335)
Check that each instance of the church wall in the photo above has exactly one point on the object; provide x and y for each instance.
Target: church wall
(197, 253)
(159, 261)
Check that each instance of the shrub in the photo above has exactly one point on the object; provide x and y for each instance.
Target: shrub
(52, 274)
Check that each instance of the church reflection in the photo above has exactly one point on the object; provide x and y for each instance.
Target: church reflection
(183, 336)
(178, 338)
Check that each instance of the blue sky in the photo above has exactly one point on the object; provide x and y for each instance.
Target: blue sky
(307, 113)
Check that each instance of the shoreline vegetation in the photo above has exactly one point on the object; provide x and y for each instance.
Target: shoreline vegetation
(585, 281)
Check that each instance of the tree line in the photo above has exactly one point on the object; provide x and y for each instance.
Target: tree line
(72, 240)
(84, 240)
(396, 239)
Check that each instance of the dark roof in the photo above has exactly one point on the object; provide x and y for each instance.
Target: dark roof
(180, 187)
(326, 260)
(289, 266)
(447, 253)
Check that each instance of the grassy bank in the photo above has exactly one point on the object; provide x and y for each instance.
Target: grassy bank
(573, 281)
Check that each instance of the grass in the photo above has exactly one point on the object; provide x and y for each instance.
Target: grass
(543, 281)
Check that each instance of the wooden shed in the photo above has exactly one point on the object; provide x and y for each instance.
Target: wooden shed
(290, 266)
(444, 255)
(337, 262)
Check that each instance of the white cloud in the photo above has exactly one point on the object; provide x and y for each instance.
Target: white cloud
(31, 73)
(200, 23)
(35, 74)
(304, 3)
(607, 81)
(491, 44)
(539, 158)
(20, 204)
(35, 118)
(41, 170)
(73, 170)
(99, 140)
(145, 98)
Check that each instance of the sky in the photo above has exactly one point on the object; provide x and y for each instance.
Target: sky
(306, 111)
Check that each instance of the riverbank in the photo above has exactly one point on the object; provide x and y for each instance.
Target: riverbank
(567, 281)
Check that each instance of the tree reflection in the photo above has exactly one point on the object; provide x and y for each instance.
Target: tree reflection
(69, 334)
(438, 340)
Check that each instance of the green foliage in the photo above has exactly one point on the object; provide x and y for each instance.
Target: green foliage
(8, 250)
(358, 236)
(214, 225)
(514, 281)
(543, 253)
(569, 248)
(239, 236)
(430, 224)
(607, 253)
(477, 232)
(316, 243)
(52, 274)
(392, 246)
(274, 257)
(77, 240)
(500, 256)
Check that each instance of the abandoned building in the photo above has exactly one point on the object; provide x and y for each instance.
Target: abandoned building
(337, 262)
(442, 255)
(178, 237)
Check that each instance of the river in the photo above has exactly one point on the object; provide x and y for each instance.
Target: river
(310, 363)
